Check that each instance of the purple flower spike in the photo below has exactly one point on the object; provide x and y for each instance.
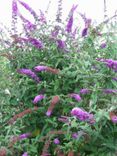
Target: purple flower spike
(56, 141)
(81, 114)
(40, 68)
(75, 96)
(69, 24)
(84, 91)
(30, 26)
(24, 136)
(38, 98)
(70, 21)
(25, 154)
(114, 119)
(103, 45)
(29, 73)
(27, 7)
(14, 7)
(84, 32)
(61, 44)
(110, 91)
(114, 78)
(38, 44)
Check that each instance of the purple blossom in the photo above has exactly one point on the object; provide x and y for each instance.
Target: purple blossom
(114, 78)
(75, 96)
(30, 26)
(27, 24)
(84, 32)
(84, 91)
(69, 24)
(103, 45)
(61, 44)
(81, 114)
(24, 136)
(26, 6)
(56, 141)
(112, 64)
(29, 73)
(55, 32)
(14, 7)
(40, 68)
(25, 154)
(37, 43)
(38, 98)
(42, 17)
(75, 135)
(70, 21)
(110, 91)
(114, 119)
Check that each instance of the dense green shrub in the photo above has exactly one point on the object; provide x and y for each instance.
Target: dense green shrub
(55, 72)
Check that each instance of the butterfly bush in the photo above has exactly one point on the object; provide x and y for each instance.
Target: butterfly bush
(71, 109)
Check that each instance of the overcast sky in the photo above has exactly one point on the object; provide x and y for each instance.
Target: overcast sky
(93, 8)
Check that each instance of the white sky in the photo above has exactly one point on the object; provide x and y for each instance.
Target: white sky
(92, 8)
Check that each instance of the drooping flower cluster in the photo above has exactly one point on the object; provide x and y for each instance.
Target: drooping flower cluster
(29, 73)
(84, 91)
(26, 6)
(46, 68)
(82, 115)
(75, 96)
(110, 91)
(112, 64)
(61, 44)
(87, 22)
(70, 21)
(37, 43)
